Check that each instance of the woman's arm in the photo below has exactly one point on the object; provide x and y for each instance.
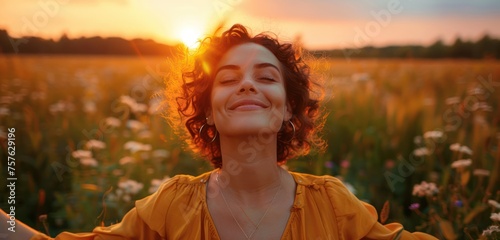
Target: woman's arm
(11, 228)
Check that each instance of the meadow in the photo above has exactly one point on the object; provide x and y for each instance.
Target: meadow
(418, 139)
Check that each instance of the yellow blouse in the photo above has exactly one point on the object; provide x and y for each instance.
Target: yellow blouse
(323, 209)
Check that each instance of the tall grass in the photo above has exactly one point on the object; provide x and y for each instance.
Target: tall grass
(390, 126)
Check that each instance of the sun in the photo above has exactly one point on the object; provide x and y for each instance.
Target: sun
(190, 36)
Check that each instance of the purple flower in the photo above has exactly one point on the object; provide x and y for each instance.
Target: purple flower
(329, 164)
(414, 206)
(459, 203)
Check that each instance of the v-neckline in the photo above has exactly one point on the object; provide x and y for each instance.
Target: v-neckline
(296, 202)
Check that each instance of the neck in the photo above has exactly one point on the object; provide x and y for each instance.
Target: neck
(249, 165)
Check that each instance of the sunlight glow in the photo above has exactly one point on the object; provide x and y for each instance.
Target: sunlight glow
(190, 36)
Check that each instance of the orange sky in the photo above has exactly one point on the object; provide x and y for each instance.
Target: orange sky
(321, 23)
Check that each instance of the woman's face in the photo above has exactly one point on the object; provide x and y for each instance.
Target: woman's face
(248, 95)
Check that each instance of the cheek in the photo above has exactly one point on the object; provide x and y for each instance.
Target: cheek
(278, 96)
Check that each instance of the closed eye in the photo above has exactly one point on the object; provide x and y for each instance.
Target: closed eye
(227, 81)
(268, 79)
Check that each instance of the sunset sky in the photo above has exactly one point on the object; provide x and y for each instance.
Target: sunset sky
(322, 24)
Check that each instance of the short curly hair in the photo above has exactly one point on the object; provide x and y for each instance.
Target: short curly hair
(193, 97)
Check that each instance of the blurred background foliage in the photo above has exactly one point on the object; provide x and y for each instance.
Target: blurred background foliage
(90, 139)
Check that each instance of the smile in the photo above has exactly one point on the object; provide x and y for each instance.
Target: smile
(247, 105)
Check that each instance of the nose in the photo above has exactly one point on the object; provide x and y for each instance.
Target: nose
(247, 86)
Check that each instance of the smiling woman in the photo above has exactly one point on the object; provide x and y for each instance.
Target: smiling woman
(247, 106)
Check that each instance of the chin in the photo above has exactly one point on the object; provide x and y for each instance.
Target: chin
(248, 126)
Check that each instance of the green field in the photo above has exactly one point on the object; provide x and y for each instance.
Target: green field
(391, 125)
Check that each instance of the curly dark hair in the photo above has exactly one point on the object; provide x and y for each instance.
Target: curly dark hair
(193, 98)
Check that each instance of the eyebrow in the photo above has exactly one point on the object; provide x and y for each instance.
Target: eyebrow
(236, 67)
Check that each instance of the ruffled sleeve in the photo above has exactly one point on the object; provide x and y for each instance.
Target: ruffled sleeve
(139, 223)
(358, 220)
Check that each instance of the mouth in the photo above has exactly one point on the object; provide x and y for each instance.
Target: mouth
(247, 105)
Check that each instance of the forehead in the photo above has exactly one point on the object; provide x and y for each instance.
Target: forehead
(247, 55)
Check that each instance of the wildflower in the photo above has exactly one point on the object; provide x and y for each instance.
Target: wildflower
(61, 106)
(345, 164)
(4, 111)
(458, 203)
(483, 106)
(135, 125)
(481, 172)
(134, 146)
(88, 161)
(57, 107)
(127, 100)
(133, 104)
(145, 155)
(433, 134)
(111, 197)
(349, 187)
(461, 163)
(452, 100)
(130, 186)
(417, 140)
(145, 134)
(139, 107)
(465, 149)
(5, 99)
(81, 154)
(455, 147)
(3, 134)
(35, 96)
(117, 172)
(89, 107)
(414, 206)
(113, 122)
(491, 229)
(389, 164)
(494, 203)
(161, 153)
(126, 160)
(360, 77)
(425, 189)
(495, 217)
(155, 184)
(154, 106)
(126, 198)
(95, 144)
(419, 152)
(476, 91)
(429, 101)
(328, 164)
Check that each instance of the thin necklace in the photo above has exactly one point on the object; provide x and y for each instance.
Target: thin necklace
(263, 216)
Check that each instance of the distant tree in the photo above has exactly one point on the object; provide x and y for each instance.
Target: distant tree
(486, 47)
(436, 50)
(461, 49)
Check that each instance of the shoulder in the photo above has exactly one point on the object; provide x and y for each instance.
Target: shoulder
(343, 201)
(347, 208)
(331, 184)
(180, 188)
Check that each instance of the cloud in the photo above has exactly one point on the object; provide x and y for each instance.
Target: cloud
(95, 2)
(322, 10)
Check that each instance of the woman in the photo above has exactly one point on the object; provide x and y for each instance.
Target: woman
(247, 106)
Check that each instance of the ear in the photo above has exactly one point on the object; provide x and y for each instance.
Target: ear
(288, 112)
(210, 119)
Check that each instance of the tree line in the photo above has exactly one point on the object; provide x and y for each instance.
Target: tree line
(83, 46)
(484, 48)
